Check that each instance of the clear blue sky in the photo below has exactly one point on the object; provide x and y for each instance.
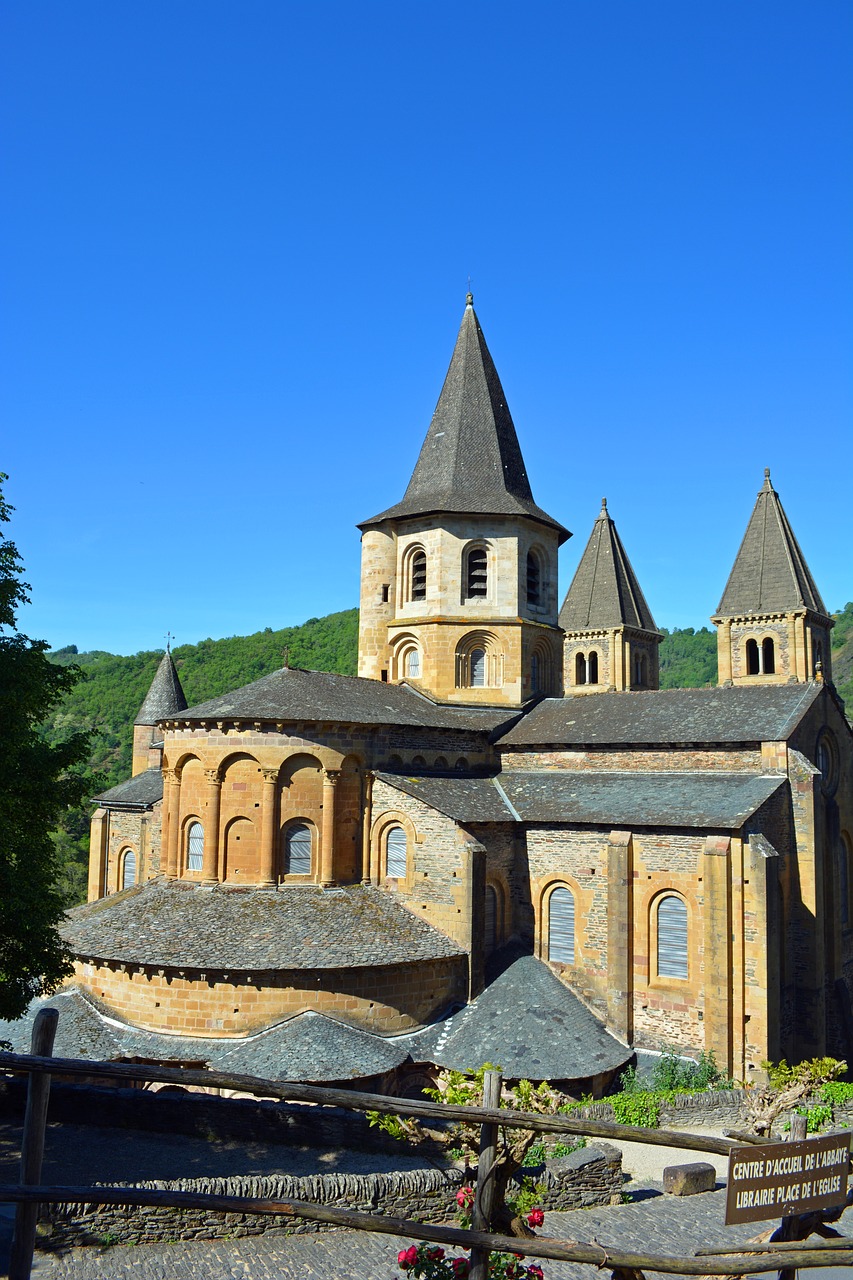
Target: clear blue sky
(237, 238)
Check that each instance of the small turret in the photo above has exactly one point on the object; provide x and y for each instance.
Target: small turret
(611, 637)
(164, 699)
(772, 625)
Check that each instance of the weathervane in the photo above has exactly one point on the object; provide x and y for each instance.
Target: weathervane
(169, 639)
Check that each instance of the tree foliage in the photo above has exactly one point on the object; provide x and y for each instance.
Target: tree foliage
(39, 781)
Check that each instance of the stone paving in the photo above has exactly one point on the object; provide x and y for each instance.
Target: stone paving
(658, 1223)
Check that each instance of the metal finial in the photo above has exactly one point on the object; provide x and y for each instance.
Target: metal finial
(603, 504)
(767, 474)
(169, 639)
(285, 653)
(469, 297)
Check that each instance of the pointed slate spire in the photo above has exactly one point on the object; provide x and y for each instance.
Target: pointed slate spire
(470, 460)
(770, 574)
(165, 698)
(605, 592)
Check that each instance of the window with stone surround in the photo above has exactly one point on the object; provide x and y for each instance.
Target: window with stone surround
(479, 665)
(592, 667)
(195, 847)
(127, 878)
(768, 654)
(534, 580)
(561, 925)
(753, 665)
(414, 575)
(475, 575)
(580, 668)
(298, 844)
(671, 913)
(413, 664)
(396, 853)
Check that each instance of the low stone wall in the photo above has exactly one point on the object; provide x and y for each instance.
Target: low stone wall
(591, 1176)
(716, 1109)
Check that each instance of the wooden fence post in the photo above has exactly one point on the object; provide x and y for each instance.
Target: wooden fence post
(484, 1193)
(32, 1146)
(789, 1229)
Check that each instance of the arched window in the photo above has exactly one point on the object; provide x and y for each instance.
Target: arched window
(418, 762)
(195, 847)
(561, 926)
(396, 850)
(477, 574)
(534, 580)
(418, 572)
(768, 653)
(477, 662)
(461, 765)
(297, 850)
(413, 664)
(128, 869)
(440, 762)
(672, 937)
(752, 664)
(580, 668)
(491, 930)
(592, 668)
(535, 673)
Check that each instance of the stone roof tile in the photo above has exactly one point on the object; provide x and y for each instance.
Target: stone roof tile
(605, 591)
(165, 697)
(141, 791)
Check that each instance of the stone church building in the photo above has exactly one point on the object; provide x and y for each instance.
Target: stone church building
(501, 840)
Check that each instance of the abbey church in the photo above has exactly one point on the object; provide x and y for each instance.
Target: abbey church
(501, 840)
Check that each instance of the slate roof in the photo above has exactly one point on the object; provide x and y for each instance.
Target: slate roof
(527, 1023)
(141, 791)
(605, 591)
(704, 800)
(470, 461)
(293, 694)
(308, 1047)
(165, 697)
(671, 717)
(770, 574)
(180, 925)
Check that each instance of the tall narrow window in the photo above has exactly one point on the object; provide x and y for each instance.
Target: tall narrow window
(592, 668)
(413, 664)
(478, 668)
(491, 938)
(396, 849)
(534, 580)
(297, 850)
(128, 869)
(768, 653)
(580, 668)
(478, 574)
(195, 853)
(672, 937)
(535, 673)
(752, 666)
(561, 926)
(419, 575)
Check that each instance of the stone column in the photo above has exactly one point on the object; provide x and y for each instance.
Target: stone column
(718, 949)
(100, 830)
(366, 824)
(327, 843)
(173, 813)
(620, 934)
(270, 782)
(210, 866)
(724, 652)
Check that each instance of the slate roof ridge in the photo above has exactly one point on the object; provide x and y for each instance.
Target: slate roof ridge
(770, 573)
(604, 591)
(165, 696)
(470, 460)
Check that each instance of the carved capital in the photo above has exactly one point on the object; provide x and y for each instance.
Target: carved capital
(171, 776)
(213, 778)
(270, 776)
(331, 776)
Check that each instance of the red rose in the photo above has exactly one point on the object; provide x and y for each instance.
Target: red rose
(535, 1218)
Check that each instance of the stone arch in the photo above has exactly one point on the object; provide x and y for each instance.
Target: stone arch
(383, 825)
(414, 573)
(301, 796)
(293, 850)
(128, 868)
(669, 932)
(477, 571)
(193, 836)
(406, 657)
(241, 851)
(479, 661)
(558, 921)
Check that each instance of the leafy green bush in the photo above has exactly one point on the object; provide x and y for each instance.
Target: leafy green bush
(673, 1074)
(641, 1107)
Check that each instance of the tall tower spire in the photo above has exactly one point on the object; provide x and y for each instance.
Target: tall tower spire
(459, 579)
(772, 625)
(611, 637)
(164, 699)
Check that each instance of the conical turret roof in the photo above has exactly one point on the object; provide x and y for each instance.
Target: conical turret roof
(470, 460)
(770, 574)
(605, 591)
(165, 698)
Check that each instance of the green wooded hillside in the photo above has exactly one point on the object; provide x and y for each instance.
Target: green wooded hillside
(106, 702)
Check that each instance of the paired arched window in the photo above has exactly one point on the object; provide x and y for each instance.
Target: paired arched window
(586, 668)
(761, 660)
(768, 653)
(476, 574)
(128, 869)
(396, 853)
(195, 847)
(672, 937)
(561, 925)
(534, 580)
(641, 670)
(297, 850)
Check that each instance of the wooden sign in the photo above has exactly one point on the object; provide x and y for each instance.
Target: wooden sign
(784, 1178)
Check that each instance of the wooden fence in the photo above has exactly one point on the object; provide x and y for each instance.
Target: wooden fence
(782, 1256)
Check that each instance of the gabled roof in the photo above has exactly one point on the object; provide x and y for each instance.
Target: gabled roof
(182, 925)
(666, 717)
(139, 792)
(165, 697)
(471, 460)
(605, 591)
(526, 1022)
(706, 800)
(770, 574)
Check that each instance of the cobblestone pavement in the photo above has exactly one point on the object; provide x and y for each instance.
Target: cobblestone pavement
(658, 1223)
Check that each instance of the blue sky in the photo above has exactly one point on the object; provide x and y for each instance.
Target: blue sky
(237, 239)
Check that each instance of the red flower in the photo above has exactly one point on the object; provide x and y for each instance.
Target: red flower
(535, 1272)
(403, 1258)
(460, 1268)
(535, 1218)
(435, 1255)
(464, 1197)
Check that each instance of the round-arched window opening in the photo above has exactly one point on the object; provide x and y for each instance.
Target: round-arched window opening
(413, 664)
(396, 852)
(561, 925)
(195, 847)
(478, 668)
(297, 850)
(440, 762)
(128, 869)
(672, 937)
(419, 575)
(592, 668)
(826, 759)
(580, 668)
(534, 580)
